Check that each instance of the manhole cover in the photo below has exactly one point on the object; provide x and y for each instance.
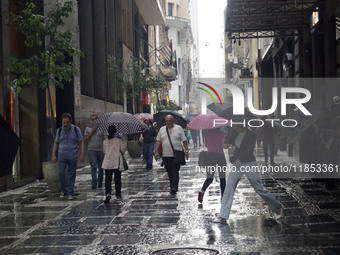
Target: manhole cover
(186, 251)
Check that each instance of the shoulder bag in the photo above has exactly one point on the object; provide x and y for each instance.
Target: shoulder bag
(179, 156)
(122, 163)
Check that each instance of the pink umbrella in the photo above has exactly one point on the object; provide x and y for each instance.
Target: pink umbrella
(201, 122)
(144, 116)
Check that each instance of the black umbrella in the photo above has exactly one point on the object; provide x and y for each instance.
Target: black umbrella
(226, 111)
(9, 144)
(217, 108)
(159, 117)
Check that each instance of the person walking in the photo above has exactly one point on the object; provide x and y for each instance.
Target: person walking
(178, 138)
(95, 152)
(67, 143)
(243, 142)
(215, 142)
(148, 139)
(112, 146)
(267, 133)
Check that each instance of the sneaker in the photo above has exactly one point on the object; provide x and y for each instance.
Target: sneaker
(219, 219)
(94, 186)
(70, 197)
(200, 197)
(100, 185)
(107, 199)
(279, 215)
(62, 195)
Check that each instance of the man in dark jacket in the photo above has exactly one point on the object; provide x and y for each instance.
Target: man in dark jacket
(243, 142)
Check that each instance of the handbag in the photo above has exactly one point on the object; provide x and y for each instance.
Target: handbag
(122, 163)
(179, 156)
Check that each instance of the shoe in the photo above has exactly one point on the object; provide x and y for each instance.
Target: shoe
(219, 219)
(119, 197)
(272, 163)
(107, 199)
(173, 191)
(94, 186)
(100, 185)
(70, 197)
(265, 209)
(277, 216)
(149, 167)
(62, 195)
(200, 197)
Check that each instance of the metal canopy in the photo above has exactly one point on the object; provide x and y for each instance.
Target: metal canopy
(269, 18)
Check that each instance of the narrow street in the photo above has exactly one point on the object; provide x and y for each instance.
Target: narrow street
(148, 220)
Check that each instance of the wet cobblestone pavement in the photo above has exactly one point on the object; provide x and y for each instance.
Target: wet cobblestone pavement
(148, 220)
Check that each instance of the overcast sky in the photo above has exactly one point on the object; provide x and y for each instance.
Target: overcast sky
(210, 37)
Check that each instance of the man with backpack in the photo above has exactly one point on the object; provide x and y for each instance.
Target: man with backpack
(67, 143)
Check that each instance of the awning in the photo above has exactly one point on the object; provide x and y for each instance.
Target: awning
(269, 18)
(151, 12)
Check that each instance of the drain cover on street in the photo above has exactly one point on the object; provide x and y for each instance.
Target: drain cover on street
(186, 251)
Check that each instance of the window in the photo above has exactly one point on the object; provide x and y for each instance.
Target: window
(178, 37)
(170, 9)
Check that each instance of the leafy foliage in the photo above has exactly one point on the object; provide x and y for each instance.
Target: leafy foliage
(134, 75)
(52, 47)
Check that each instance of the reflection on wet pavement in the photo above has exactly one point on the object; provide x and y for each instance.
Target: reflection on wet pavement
(148, 220)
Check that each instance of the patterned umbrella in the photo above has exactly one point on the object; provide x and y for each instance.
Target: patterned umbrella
(144, 116)
(202, 122)
(125, 123)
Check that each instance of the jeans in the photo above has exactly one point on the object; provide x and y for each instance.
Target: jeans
(72, 167)
(96, 160)
(253, 177)
(148, 153)
(118, 181)
(173, 171)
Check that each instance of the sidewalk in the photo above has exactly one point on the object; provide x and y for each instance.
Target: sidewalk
(149, 220)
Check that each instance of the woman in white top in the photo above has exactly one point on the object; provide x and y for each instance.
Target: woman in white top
(112, 146)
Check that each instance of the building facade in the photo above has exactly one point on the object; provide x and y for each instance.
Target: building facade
(101, 29)
(299, 39)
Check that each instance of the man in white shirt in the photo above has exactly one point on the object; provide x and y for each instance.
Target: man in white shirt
(178, 138)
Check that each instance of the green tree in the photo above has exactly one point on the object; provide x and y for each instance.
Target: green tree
(52, 46)
(134, 76)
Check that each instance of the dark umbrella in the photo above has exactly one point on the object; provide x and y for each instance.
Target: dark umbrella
(159, 118)
(9, 144)
(226, 111)
(217, 108)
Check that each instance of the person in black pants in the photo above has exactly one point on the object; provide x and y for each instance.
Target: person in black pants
(178, 140)
(215, 142)
(112, 146)
(267, 132)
